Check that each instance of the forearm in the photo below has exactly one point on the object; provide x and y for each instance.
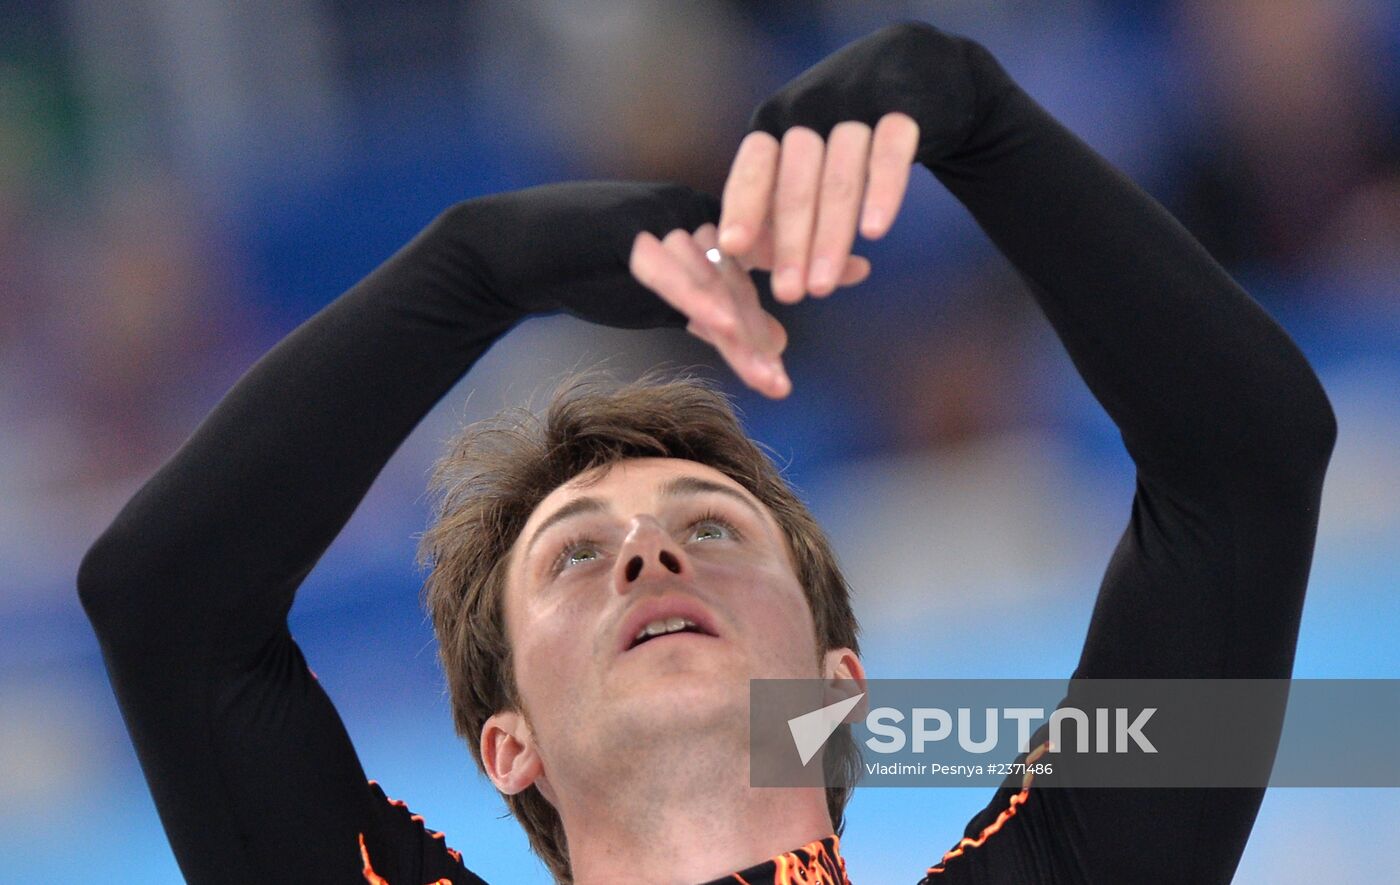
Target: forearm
(1230, 431)
(1225, 420)
(250, 767)
(233, 522)
(1202, 383)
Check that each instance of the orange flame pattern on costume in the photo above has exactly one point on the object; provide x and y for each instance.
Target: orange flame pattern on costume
(812, 864)
(374, 878)
(992, 828)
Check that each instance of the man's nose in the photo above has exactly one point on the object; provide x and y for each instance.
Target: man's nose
(647, 551)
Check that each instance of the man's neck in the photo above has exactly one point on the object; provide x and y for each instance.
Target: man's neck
(693, 821)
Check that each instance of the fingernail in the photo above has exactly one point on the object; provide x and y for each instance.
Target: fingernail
(788, 282)
(780, 380)
(874, 222)
(821, 276)
(767, 372)
(730, 236)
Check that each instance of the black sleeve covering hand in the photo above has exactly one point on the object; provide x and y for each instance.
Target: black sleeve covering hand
(911, 68)
(566, 247)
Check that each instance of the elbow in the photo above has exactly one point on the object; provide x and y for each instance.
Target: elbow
(1292, 445)
(99, 583)
(1316, 432)
(110, 587)
(1327, 430)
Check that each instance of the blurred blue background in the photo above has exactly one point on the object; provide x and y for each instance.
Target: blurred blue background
(183, 181)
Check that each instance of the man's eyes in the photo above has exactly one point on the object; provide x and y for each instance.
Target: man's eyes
(712, 526)
(576, 553)
(708, 527)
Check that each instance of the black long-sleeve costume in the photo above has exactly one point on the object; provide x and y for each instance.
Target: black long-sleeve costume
(252, 771)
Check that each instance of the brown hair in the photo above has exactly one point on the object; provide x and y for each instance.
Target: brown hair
(494, 474)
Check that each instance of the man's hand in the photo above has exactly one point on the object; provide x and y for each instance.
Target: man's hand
(829, 151)
(789, 207)
(720, 301)
(565, 247)
(793, 205)
(811, 153)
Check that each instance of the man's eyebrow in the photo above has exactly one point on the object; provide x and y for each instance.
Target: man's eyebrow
(577, 506)
(694, 485)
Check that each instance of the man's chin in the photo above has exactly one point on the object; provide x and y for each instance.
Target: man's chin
(681, 698)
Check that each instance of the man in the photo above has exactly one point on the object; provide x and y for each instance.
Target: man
(605, 585)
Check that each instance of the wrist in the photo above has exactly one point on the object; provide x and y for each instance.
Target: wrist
(973, 84)
(459, 242)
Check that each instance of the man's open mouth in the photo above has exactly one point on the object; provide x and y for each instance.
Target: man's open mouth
(666, 627)
(671, 615)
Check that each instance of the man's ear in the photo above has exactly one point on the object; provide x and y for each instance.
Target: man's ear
(845, 678)
(508, 752)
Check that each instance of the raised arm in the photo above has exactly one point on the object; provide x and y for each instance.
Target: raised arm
(1227, 424)
(252, 772)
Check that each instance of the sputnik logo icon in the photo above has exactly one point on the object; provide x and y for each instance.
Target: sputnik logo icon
(811, 730)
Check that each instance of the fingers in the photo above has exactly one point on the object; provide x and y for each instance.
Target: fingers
(856, 272)
(720, 302)
(760, 257)
(794, 206)
(794, 210)
(747, 193)
(655, 267)
(761, 327)
(892, 150)
(842, 182)
(754, 346)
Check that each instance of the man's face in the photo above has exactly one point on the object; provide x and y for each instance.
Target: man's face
(652, 540)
